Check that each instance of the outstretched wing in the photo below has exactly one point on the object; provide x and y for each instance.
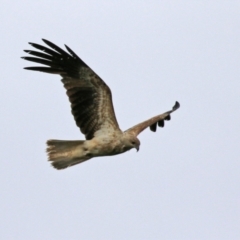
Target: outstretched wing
(153, 122)
(90, 97)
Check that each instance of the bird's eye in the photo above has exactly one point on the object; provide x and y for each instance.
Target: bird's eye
(133, 143)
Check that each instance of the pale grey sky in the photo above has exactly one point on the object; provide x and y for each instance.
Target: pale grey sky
(184, 182)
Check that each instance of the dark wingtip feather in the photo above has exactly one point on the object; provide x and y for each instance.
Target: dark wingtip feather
(50, 44)
(153, 127)
(74, 55)
(46, 41)
(55, 48)
(45, 69)
(176, 106)
(161, 123)
(167, 117)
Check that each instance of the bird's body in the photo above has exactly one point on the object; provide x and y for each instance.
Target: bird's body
(92, 108)
(60, 151)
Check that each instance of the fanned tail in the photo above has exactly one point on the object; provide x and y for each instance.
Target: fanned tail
(64, 154)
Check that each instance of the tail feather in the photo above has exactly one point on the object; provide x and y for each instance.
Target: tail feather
(64, 154)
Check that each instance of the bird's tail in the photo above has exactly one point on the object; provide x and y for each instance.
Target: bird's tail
(64, 154)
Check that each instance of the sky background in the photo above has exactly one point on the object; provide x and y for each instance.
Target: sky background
(184, 183)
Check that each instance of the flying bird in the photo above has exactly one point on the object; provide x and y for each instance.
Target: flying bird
(92, 108)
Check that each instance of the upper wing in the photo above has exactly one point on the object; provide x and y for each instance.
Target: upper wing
(90, 97)
(152, 122)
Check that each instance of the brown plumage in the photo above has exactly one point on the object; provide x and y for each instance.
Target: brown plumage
(92, 108)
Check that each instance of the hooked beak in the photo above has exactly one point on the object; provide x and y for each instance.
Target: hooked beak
(137, 148)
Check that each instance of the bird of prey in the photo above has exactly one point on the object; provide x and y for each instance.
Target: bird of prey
(92, 108)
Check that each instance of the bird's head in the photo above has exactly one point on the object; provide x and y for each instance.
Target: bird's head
(130, 141)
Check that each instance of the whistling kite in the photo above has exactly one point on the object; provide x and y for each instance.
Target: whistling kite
(92, 108)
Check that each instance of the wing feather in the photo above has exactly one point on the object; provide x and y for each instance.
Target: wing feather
(38, 54)
(90, 97)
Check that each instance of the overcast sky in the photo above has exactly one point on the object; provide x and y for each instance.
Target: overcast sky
(184, 183)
